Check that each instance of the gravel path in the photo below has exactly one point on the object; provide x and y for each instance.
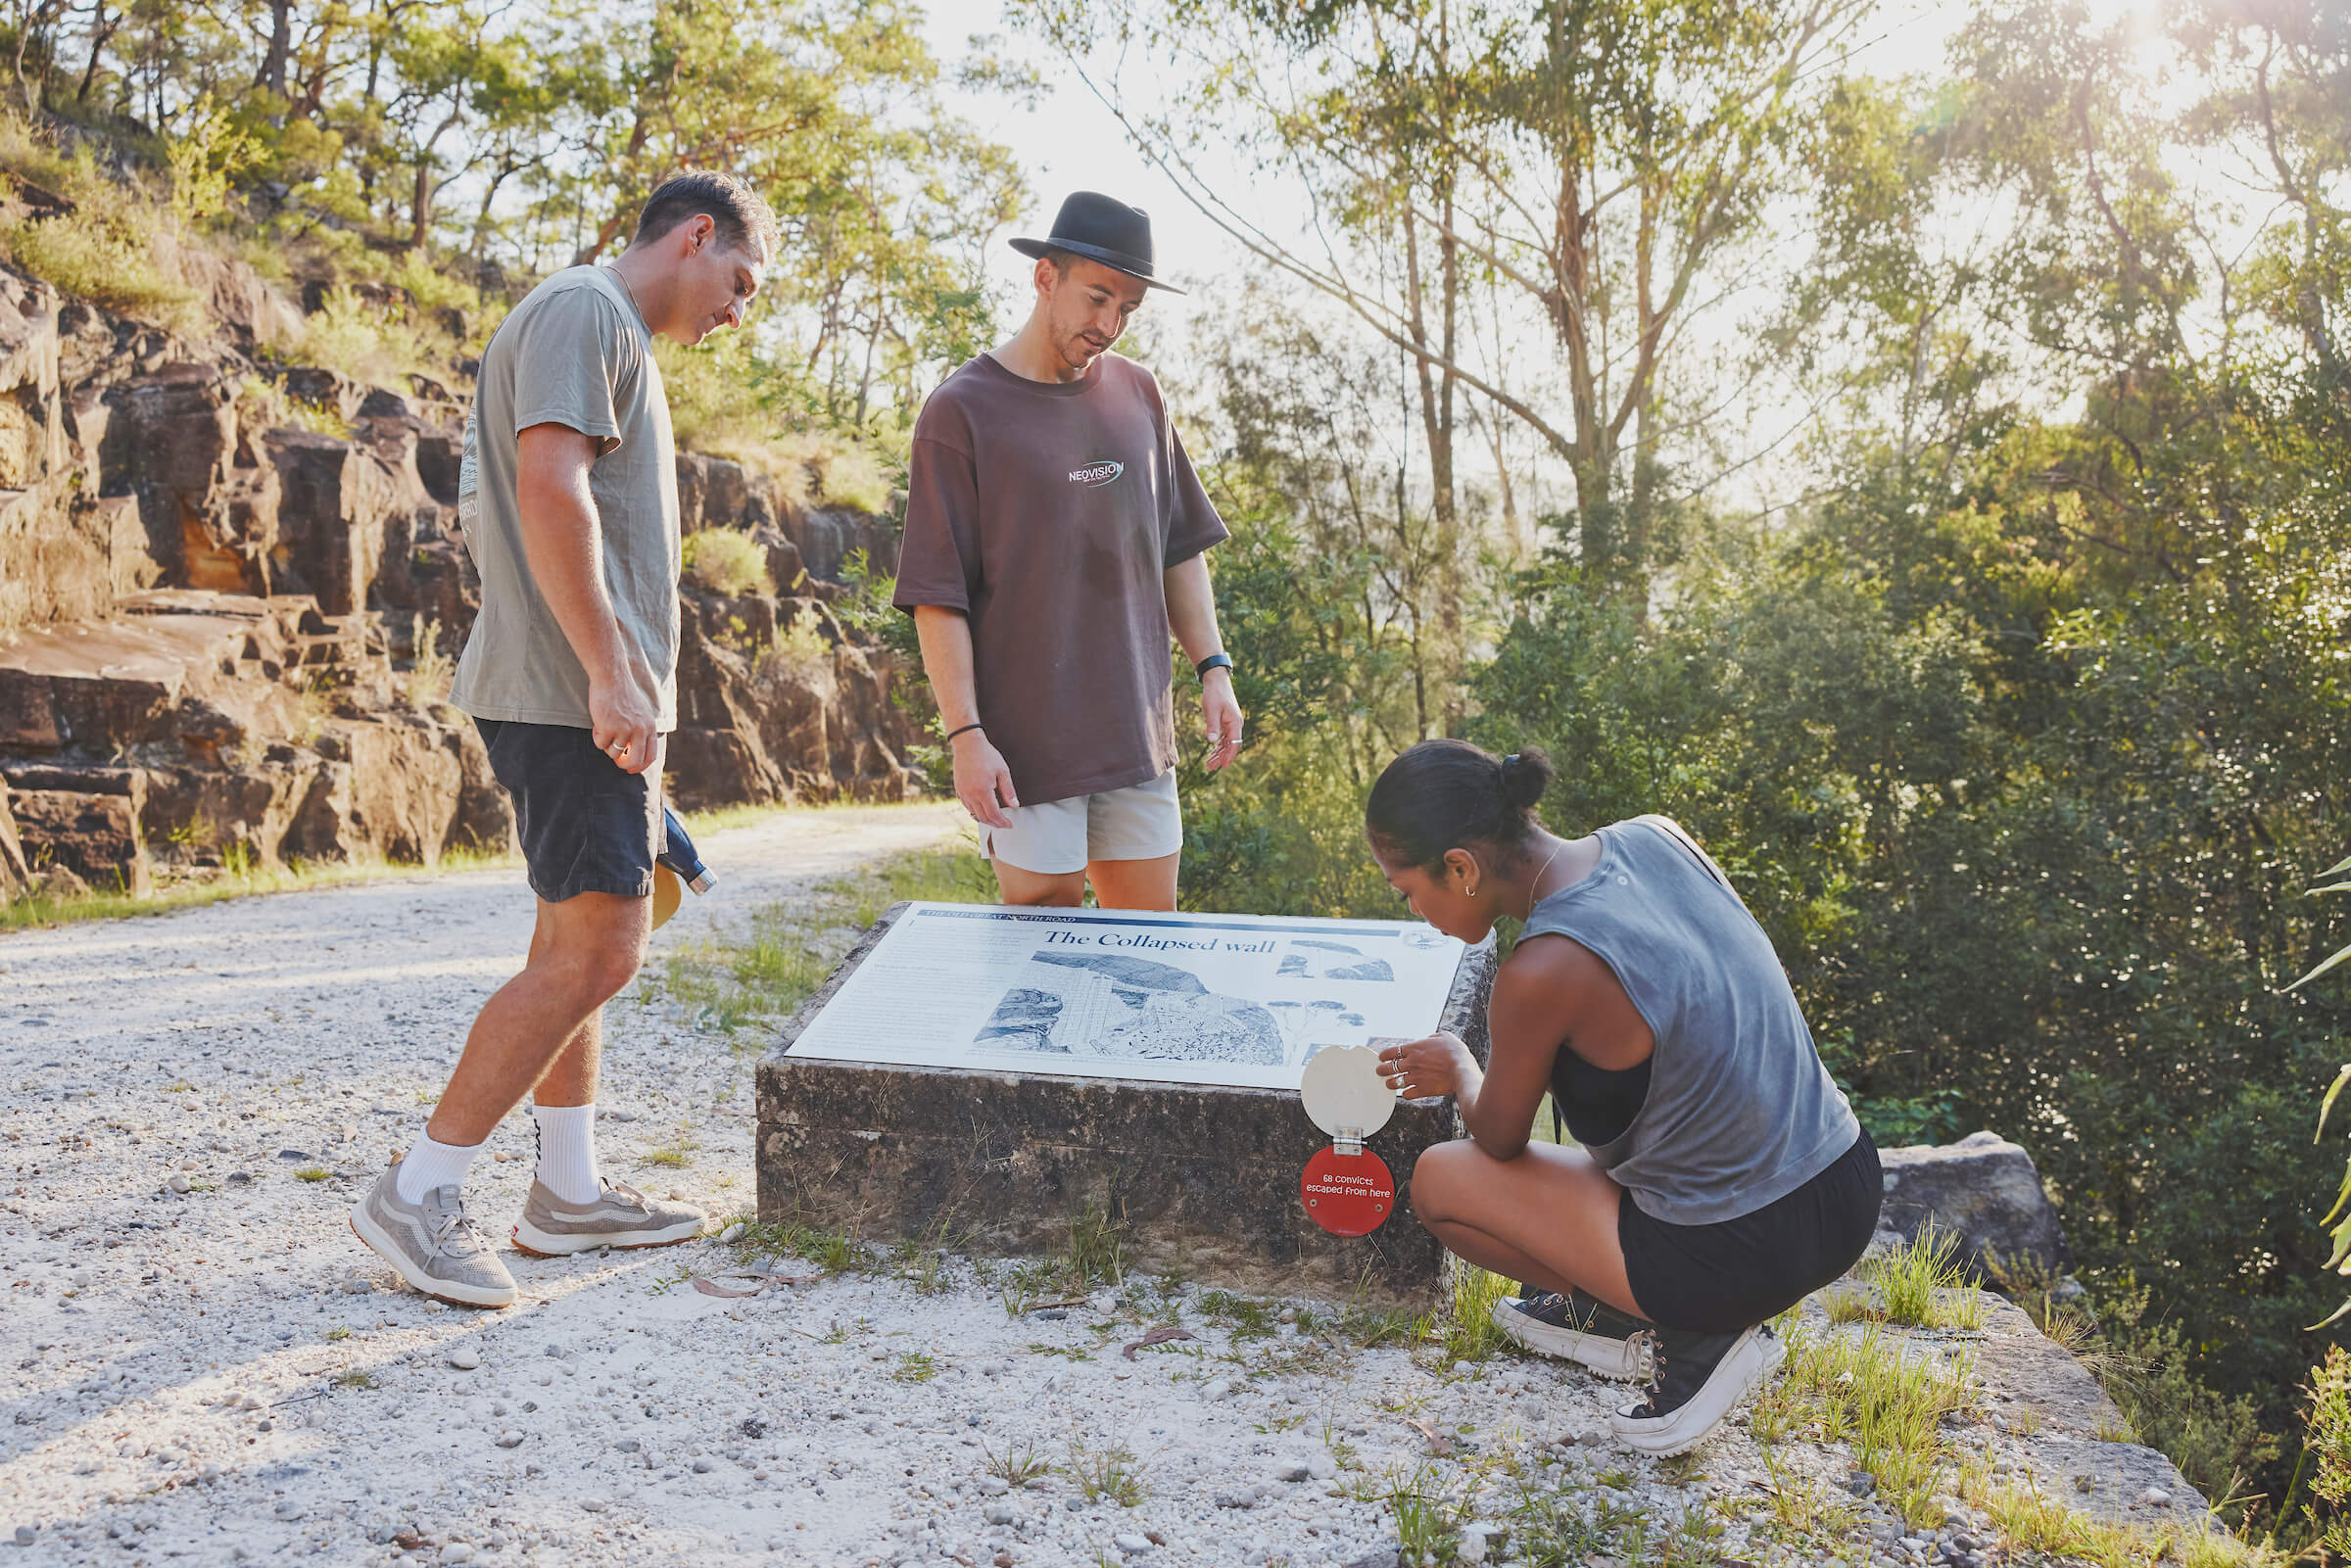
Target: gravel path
(224, 1374)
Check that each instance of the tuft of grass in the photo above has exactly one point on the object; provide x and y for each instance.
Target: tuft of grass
(1110, 1474)
(424, 684)
(1247, 1318)
(1923, 1284)
(338, 1332)
(1096, 1251)
(357, 1377)
(312, 1173)
(1428, 1522)
(1469, 1333)
(2033, 1522)
(915, 1367)
(675, 1155)
(833, 1251)
(1865, 1388)
(1016, 1468)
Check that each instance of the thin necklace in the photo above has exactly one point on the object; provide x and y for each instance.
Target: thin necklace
(625, 289)
(1538, 876)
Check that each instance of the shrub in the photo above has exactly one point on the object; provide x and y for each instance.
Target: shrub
(356, 339)
(800, 650)
(104, 258)
(726, 562)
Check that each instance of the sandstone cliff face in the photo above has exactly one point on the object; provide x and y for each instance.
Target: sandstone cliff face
(223, 638)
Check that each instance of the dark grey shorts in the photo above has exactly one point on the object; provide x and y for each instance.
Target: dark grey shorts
(585, 827)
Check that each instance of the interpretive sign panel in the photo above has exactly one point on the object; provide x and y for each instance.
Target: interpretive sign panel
(994, 1074)
(1212, 999)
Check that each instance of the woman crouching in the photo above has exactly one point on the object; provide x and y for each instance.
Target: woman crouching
(1722, 1176)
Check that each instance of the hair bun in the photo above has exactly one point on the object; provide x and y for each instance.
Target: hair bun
(1525, 774)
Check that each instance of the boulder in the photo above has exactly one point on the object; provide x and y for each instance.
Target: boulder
(107, 682)
(784, 567)
(1983, 1189)
(208, 502)
(337, 496)
(59, 555)
(96, 837)
(830, 534)
(198, 815)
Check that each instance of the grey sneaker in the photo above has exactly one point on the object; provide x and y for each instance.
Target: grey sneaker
(620, 1216)
(432, 1243)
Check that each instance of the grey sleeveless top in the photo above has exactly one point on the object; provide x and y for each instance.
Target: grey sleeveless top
(1740, 1110)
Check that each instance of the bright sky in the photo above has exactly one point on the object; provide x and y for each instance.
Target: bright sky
(1070, 141)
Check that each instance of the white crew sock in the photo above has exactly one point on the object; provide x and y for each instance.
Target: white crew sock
(428, 1164)
(567, 1152)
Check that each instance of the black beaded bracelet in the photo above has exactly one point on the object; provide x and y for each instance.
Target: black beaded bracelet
(1214, 661)
(952, 734)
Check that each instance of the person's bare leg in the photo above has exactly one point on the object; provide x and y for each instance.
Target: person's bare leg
(1039, 889)
(583, 950)
(571, 1078)
(1134, 884)
(1548, 1217)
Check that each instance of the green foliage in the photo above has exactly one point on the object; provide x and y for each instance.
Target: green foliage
(1923, 1284)
(2329, 1442)
(726, 562)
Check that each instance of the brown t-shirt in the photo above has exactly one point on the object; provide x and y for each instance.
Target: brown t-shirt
(1048, 511)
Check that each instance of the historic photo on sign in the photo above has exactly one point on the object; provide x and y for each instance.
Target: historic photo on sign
(1235, 999)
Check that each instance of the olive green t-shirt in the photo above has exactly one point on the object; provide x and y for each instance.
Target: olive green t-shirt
(573, 353)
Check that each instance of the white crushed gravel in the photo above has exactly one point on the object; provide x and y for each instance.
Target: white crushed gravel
(222, 1373)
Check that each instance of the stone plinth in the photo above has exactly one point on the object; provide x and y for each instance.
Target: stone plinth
(1203, 1176)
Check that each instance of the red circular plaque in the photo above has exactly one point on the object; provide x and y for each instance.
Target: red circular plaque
(1348, 1195)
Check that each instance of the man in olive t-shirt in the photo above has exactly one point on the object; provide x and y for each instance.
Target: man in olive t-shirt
(568, 504)
(1055, 538)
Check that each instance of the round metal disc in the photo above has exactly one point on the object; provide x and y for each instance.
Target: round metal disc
(1348, 1195)
(1341, 1088)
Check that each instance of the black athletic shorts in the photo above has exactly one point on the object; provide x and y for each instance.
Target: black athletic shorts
(1720, 1278)
(585, 827)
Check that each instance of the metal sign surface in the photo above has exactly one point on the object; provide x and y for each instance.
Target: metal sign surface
(1226, 999)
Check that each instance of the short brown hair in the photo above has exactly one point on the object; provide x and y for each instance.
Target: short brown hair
(726, 200)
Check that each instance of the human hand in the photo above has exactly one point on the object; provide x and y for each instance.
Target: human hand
(982, 781)
(622, 715)
(1220, 715)
(1419, 1069)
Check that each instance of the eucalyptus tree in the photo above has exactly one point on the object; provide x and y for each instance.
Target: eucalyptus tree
(1598, 172)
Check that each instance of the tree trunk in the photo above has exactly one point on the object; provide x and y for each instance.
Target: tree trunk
(273, 73)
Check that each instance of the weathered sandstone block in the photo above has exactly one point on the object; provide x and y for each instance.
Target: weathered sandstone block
(96, 837)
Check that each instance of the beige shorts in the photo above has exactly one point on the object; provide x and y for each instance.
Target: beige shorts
(1141, 822)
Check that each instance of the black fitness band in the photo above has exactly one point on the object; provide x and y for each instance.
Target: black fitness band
(952, 734)
(1214, 661)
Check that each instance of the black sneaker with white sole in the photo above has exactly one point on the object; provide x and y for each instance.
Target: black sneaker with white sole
(1697, 1380)
(1579, 1327)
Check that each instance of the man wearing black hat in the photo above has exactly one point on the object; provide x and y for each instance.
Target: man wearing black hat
(1054, 541)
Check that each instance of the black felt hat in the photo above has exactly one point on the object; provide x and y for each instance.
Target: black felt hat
(1101, 228)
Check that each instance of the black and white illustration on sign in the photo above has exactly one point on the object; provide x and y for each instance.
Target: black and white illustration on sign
(1308, 957)
(1196, 998)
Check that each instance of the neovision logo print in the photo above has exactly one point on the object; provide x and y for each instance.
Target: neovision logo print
(1096, 474)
